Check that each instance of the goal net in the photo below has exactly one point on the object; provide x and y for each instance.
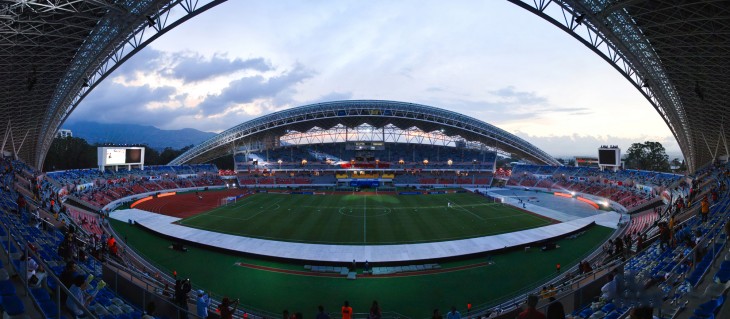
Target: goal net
(227, 201)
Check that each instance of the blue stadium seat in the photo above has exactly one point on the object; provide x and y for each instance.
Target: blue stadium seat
(707, 309)
(608, 308)
(13, 305)
(40, 294)
(586, 313)
(49, 308)
(7, 288)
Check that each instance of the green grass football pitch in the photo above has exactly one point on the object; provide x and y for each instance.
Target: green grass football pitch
(365, 219)
(412, 296)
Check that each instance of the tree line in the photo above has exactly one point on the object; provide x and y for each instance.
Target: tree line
(75, 153)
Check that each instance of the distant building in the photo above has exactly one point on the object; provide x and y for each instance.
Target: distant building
(63, 133)
(585, 161)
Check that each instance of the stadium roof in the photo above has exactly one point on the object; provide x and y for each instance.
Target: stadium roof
(353, 113)
(53, 53)
(676, 53)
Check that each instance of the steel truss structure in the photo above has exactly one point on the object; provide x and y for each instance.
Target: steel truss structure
(388, 134)
(377, 114)
(675, 53)
(54, 52)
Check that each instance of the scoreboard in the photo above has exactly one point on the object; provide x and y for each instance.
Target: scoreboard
(609, 156)
(120, 156)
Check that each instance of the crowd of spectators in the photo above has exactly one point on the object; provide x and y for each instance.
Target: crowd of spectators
(78, 248)
(630, 188)
(98, 188)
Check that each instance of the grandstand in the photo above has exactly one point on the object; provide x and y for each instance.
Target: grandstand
(629, 188)
(664, 256)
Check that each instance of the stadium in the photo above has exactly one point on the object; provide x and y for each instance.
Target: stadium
(363, 200)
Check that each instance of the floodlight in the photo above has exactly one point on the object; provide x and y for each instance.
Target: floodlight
(151, 21)
(579, 18)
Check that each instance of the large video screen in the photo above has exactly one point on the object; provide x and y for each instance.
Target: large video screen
(115, 156)
(607, 157)
(120, 155)
(134, 156)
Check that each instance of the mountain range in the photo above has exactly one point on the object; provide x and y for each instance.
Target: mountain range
(154, 137)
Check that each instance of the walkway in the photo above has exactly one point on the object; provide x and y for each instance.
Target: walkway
(166, 225)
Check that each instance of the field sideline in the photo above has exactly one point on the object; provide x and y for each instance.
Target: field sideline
(365, 219)
(413, 296)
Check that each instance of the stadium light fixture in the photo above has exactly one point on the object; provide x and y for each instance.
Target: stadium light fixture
(151, 21)
(579, 18)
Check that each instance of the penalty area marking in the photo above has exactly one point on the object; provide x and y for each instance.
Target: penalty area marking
(461, 208)
(262, 210)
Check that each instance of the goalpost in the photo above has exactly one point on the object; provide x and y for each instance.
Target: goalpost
(227, 201)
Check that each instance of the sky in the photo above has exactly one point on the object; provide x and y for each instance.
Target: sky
(487, 59)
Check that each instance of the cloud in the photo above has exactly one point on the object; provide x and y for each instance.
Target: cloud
(183, 89)
(333, 96)
(147, 60)
(569, 109)
(511, 96)
(194, 68)
(587, 145)
(501, 105)
(189, 66)
(248, 89)
(113, 102)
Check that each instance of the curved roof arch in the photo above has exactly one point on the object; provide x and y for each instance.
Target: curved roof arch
(352, 113)
(53, 53)
(675, 53)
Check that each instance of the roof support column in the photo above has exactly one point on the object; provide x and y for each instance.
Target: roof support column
(5, 139)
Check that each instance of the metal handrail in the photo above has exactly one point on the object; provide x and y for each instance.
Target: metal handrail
(59, 286)
(520, 299)
(254, 313)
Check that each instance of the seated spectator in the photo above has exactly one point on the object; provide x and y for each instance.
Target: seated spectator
(453, 314)
(321, 314)
(67, 278)
(608, 291)
(77, 290)
(555, 310)
(641, 313)
(149, 311)
(375, 312)
(34, 272)
(531, 312)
